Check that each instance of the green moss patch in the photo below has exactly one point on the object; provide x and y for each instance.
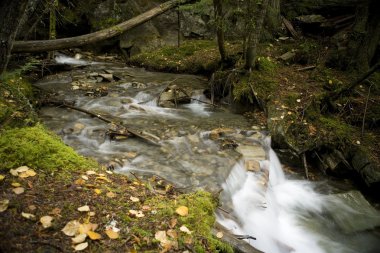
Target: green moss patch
(38, 149)
(193, 56)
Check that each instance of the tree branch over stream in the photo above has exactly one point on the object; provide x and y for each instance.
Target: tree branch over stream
(50, 45)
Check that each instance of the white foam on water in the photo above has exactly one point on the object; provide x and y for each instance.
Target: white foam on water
(284, 215)
(63, 59)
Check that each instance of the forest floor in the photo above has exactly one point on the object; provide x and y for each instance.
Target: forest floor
(45, 208)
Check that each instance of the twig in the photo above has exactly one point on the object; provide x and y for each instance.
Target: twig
(365, 110)
(305, 165)
(243, 237)
(307, 68)
(133, 174)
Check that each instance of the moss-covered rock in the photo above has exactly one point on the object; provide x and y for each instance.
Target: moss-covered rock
(39, 149)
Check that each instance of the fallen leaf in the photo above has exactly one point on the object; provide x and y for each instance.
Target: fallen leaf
(18, 190)
(81, 246)
(90, 172)
(138, 214)
(98, 191)
(56, 211)
(172, 233)
(71, 228)
(22, 169)
(182, 211)
(28, 216)
(79, 181)
(134, 199)
(161, 237)
(91, 214)
(84, 228)
(32, 207)
(111, 195)
(31, 173)
(13, 172)
(94, 235)
(15, 184)
(103, 178)
(184, 229)
(1, 177)
(146, 208)
(112, 234)
(219, 234)
(84, 177)
(46, 221)
(79, 238)
(173, 222)
(4, 205)
(109, 172)
(84, 209)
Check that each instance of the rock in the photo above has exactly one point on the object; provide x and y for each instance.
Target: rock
(352, 212)
(288, 56)
(369, 171)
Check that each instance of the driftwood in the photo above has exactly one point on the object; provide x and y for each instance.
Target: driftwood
(123, 130)
(50, 45)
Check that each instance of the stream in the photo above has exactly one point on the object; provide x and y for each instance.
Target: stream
(197, 150)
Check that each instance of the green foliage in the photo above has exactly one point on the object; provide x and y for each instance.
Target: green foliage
(198, 7)
(335, 129)
(39, 149)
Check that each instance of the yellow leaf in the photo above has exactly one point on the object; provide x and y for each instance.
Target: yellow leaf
(84, 208)
(71, 228)
(28, 216)
(79, 181)
(97, 191)
(90, 172)
(134, 199)
(84, 177)
(79, 238)
(103, 178)
(84, 228)
(94, 235)
(46, 221)
(219, 234)
(18, 190)
(15, 184)
(31, 173)
(111, 195)
(112, 234)
(81, 246)
(1, 177)
(182, 211)
(172, 233)
(4, 205)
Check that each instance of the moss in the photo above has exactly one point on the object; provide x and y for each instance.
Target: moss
(15, 96)
(335, 129)
(201, 208)
(39, 149)
(193, 56)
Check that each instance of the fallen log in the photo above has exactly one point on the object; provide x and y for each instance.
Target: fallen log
(57, 44)
(123, 130)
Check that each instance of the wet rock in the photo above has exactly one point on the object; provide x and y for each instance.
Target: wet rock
(78, 127)
(352, 212)
(369, 171)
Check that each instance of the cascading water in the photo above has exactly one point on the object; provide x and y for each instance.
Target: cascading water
(290, 216)
(284, 215)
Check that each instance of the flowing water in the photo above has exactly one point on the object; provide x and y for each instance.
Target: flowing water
(284, 215)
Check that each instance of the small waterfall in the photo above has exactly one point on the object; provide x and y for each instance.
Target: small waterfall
(290, 216)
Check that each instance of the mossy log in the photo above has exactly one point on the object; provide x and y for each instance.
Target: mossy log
(50, 45)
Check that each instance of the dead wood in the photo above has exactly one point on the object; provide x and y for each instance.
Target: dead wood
(121, 129)
(290, 28)
(50, 45)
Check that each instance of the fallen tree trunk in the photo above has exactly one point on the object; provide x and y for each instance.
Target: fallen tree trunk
(50, 45)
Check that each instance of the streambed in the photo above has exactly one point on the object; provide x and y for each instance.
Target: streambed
(285, 216)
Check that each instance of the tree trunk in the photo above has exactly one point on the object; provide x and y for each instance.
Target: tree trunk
(255, 27)
(365, 36)
(49, 45)
(219, 20)
(11, 13)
